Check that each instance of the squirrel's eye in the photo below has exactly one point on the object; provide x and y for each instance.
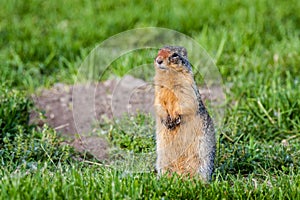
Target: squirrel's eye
(174, 55)
(174, 58)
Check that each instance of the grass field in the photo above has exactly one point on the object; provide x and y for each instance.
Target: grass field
(256, 46)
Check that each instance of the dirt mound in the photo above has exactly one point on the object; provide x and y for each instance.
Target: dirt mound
(72, 110)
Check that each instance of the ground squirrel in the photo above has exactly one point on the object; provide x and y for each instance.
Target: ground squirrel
(184, 130)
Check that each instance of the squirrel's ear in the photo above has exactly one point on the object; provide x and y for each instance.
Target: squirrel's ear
(184, 52)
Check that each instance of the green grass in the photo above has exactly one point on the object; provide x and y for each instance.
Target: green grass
(256, 46)
(94, 182)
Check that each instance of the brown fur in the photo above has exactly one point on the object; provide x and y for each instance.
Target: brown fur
(184, 130)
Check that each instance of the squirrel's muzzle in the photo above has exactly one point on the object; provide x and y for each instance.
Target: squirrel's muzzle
(159, 60)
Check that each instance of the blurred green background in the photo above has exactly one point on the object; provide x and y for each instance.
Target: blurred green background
(43, 42)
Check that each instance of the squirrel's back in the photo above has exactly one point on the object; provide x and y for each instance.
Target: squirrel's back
(184, 129)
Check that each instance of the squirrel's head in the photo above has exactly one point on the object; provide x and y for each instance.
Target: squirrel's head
(172, 58)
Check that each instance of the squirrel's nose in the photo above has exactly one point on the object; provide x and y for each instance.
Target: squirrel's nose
(159, 60)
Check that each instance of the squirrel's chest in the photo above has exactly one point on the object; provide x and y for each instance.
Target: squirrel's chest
(168, 99)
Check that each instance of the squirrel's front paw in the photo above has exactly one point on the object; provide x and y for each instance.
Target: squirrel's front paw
(171, 123)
